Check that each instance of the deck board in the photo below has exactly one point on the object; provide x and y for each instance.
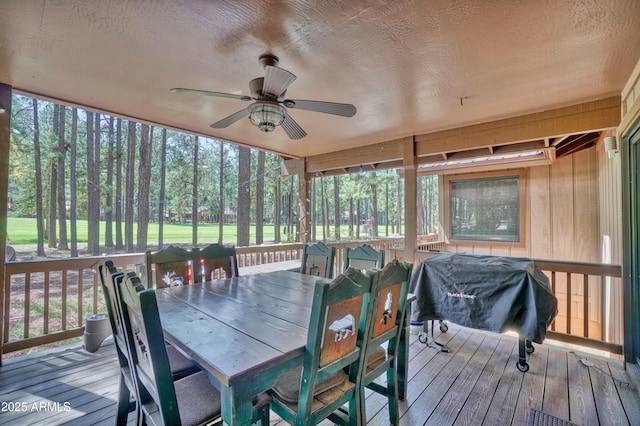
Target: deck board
(476, 383)
(582, 406)
(533, 385)
(505, 397)
(477, 405)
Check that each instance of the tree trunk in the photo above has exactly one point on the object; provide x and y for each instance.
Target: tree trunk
(336, 207)
(163, 178)
(53, 187)
(195, 200)
(244, 195)
(313, 210)
(91, 184)
(63, 243)
(118, 215)
(108, 209)
(221, 195)
(323, 215)
(350, 217)
(129, 186)
(374, 208)
(260, 198)
(386, 209)
(358, 201)
(144, 181)
(73, 185)
(432, 202)
(290, 228)
(399, 205)
(276, 212)
(38, 170)
(420, 206)
(94, 208)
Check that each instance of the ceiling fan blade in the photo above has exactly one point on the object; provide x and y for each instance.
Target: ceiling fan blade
(293, 130)
(208, 93)
(344, 110)
(228, 121)
(276, 80)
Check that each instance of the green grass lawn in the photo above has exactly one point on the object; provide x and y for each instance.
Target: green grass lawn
(23, 231)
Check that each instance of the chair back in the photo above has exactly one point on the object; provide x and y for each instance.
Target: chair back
(109, 277)
(388, 302)
(216, 261)
(170, 266)
(317, 259)
(334, 340)
(363, 257)
(385, 323)
(148, 352)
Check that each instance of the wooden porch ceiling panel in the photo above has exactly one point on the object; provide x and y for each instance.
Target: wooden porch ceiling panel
(576, 143)
(410, 67)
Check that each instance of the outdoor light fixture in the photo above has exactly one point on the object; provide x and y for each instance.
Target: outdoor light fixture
(611, 145)
(266, 115)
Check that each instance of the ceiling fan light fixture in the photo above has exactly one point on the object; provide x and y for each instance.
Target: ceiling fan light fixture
(266, 115)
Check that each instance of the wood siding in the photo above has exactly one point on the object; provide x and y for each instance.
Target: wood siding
(563, 210)
(573, 208)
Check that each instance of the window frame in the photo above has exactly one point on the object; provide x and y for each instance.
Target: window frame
(521, 174)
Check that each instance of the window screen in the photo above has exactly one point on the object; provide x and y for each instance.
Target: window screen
(485, 209)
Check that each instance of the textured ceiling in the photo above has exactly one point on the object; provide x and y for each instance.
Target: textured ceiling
(410, 67)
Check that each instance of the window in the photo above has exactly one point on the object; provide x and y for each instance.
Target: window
(488, 207)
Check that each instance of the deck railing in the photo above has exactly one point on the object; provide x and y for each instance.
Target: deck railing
(47, 301)
(580, 321)
(589, 298)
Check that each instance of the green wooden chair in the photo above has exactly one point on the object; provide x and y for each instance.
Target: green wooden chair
(170, 266)
(320, 387)
(317, 259)
(385, 324)
(180, 365)
(192, 400)
(127, 391)
(214, 259)
(363, 257)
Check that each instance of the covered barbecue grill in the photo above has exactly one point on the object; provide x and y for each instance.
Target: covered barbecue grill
(487, 293)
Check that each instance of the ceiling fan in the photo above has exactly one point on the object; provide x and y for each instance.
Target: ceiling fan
(267, 110)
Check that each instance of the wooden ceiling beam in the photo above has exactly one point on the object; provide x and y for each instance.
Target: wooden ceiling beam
(557, 123)
(586, 117)
(559, 140)
(378, 153)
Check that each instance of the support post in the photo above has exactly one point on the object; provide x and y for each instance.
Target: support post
(5, 137)
(410, 164)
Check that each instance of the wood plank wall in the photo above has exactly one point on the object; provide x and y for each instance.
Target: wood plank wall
(610, 186)
(573, 210)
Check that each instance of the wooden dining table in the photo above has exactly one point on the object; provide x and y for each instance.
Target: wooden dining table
(244, 332)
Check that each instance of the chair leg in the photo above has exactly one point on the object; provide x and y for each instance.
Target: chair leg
(359, 409)
(125, 405)
(264, 415)
(392, 394)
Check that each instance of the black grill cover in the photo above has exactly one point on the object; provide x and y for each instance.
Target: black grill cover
(484, 292)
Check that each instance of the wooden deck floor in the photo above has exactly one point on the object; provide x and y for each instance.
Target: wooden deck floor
(476, 383)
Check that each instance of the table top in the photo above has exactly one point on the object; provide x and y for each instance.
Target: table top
(239, 327)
